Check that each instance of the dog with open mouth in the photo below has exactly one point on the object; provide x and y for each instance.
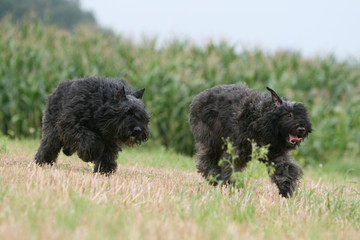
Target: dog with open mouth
(240, 113)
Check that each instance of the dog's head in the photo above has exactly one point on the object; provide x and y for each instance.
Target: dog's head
(290, 121)
(125, 119)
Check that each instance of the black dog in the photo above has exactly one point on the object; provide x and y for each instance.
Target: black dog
(93, 117)
(240, 113)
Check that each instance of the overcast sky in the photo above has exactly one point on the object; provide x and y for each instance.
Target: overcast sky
(311, 26)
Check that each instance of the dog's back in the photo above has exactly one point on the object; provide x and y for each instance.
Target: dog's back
(213, 111)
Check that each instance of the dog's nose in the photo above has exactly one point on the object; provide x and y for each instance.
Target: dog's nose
(301, 129)
(137, 129)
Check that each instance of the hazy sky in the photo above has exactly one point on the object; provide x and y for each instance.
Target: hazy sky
(312, 26)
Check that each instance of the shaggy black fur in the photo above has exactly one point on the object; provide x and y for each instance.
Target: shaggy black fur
(93, 117)
(241, 113)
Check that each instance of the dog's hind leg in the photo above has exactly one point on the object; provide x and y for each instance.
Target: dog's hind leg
(49, 147)
(286, 176)
(208, 164)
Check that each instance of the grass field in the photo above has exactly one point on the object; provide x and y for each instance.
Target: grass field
(157, 194)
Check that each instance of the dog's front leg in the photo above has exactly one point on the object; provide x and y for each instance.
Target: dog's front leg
(107, 162)
(286, 175)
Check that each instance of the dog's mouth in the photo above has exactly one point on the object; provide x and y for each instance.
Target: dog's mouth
(293, 140)
(131, 141)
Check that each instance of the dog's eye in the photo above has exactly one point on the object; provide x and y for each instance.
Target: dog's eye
(290, 115)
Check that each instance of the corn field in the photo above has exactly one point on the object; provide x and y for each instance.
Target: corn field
(35, 58)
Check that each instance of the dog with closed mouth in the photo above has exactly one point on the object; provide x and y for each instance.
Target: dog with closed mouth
(94, 117)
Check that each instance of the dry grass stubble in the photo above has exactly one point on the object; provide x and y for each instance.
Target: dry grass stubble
(69, 201)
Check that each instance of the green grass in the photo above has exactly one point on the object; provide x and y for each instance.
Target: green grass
(157, 194)
(155, 155)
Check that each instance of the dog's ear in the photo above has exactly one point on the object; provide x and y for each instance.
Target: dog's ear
(121, 94)
(139, 94)
(275, 98)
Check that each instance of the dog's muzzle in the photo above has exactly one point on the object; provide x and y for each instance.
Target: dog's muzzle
(296, 138)
(136, 136)
(131, 141)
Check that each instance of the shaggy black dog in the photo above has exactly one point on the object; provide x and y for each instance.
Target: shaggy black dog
(240, 113)
(93, 117)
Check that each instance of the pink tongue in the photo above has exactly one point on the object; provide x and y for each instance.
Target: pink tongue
(294, 138)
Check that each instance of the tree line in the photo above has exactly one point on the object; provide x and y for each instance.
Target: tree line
(62, 13)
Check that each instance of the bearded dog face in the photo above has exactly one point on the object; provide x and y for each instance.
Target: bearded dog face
(290, 121)
(125, 119)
